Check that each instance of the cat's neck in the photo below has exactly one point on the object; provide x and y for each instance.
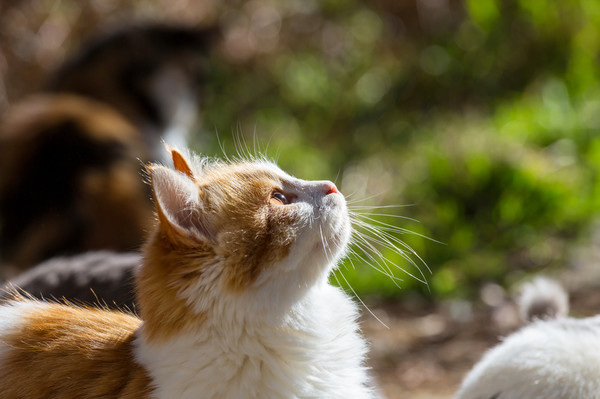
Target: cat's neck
(159, 286)
(173, 299)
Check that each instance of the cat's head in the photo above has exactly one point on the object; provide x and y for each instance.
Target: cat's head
(244, 229)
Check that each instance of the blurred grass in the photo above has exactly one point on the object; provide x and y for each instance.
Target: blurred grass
(481, 115)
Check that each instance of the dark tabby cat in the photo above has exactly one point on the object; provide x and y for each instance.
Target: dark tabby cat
(151, 74)
(69, 180)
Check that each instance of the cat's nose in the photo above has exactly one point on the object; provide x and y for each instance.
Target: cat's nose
(330, 188)
(321, 188)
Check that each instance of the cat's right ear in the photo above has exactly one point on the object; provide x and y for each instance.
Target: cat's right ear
(178, 203)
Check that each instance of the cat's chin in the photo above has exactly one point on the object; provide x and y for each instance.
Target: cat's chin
(334, 238)
(334, 227)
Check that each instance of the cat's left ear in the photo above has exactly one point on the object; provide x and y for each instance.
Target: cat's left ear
(179, 205)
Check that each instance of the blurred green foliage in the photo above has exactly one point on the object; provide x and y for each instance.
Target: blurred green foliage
(482, 116)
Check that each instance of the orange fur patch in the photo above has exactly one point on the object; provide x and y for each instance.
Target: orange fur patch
(168, 269)
(180, 163)
(258, 233)
(69, 352)
(251, 235)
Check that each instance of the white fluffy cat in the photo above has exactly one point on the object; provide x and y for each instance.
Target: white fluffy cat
(548, 359)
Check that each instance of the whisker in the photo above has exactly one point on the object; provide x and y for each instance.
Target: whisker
(387, 240)
(359, 298)
(369, 198)
(328, 255)
(388, 273)
(249, 153)
(374, 250)
(387, 215)
(255, 143)
(383, 227)
(372, 234)
(393, 239)
(337, 177)
(359, 207)
(349, 196)
(222, 147)
(325, 244)
(268, 145)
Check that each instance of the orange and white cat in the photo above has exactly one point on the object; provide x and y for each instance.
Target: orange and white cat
(233, 295)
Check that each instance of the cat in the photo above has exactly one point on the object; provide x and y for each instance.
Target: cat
(69, 181)
(97, 277)
(543, 298)
(233, 295)
(553, 357)
(70, 156)
(152, 73)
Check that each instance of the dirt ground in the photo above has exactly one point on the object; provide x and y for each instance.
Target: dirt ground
(426, 350)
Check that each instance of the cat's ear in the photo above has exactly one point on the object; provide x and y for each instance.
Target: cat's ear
(179, 204)
(179, 161)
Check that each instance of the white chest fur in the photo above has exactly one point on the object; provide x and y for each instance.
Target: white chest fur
(315, 352)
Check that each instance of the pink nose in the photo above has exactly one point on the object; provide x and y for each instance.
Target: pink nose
(331, 189)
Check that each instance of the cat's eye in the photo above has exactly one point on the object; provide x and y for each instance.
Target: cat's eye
(278, 198)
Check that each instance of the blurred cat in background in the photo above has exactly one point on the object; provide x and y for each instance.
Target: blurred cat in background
(152, 74)
(70, 157)
(69, 181)
(553, 357)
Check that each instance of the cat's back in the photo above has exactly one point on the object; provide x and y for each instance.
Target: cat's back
(54, 350)
(552, 357)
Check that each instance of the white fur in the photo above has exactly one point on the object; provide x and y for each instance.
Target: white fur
(555, 359)
(12, 318)
(314, 352)
(543, 298)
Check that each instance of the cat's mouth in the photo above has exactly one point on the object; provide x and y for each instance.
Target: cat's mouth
(333, 212)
